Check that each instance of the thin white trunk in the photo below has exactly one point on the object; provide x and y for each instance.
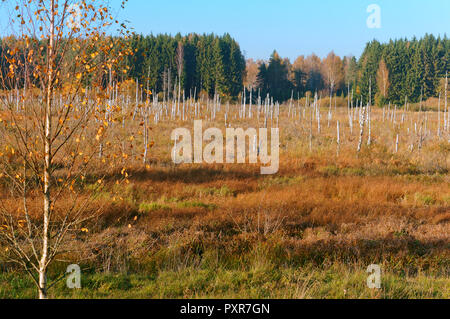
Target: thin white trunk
(396, 144)
(361, 132)
(47, 163)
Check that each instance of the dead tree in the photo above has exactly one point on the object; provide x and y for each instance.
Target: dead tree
(361, 126)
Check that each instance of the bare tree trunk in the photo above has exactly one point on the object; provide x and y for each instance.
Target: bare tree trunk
(445, 107)
(250, 106)
(369, 138)
(316, 103)
(439, 116)
(361, 132)
(47, 164)
(310, 127)
(329, 109)
(396, 144)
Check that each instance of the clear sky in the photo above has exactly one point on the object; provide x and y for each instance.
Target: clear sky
(292, 27)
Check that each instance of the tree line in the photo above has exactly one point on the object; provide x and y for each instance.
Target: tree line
(212, 64)
(389, 72)
(194, 63)
(199, 63)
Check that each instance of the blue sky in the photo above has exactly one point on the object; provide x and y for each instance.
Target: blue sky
(292, 27)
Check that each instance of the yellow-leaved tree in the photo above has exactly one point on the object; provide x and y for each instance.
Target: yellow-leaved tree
(54, 115)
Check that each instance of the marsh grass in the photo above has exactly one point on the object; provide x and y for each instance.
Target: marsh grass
(310, 231)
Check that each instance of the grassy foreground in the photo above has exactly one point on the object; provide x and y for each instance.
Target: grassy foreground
(310, 231)
(262, 281)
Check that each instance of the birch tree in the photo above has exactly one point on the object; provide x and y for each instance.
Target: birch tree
(48, 142)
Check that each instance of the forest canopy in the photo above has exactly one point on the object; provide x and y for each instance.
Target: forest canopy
(212, 64)
(390, 71)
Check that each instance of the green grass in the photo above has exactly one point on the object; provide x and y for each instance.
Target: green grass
(195, 204)
(280, 181)
(424, 199)
(264, 281)
(223, 191)
(151, 207)
(192, 270)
